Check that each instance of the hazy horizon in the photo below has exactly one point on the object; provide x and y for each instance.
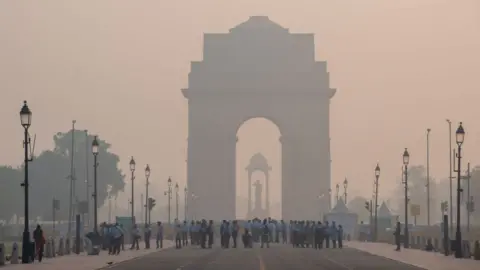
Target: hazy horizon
(117, 67)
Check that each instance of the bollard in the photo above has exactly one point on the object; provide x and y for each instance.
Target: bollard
(14, 257)
(2, 254)
(67, 246)
(61, 247)
(48, 249)
(54, 250)
(476, 251)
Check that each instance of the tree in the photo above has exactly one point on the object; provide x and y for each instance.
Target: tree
(11, 193)
(357, 206)
(50, 175)
(417, 194)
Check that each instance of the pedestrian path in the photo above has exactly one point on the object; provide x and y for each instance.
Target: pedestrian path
(85, 262)
(416, 257)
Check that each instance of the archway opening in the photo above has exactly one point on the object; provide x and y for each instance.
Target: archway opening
(258, 142)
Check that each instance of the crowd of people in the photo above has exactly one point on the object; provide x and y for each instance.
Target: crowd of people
(202, 233)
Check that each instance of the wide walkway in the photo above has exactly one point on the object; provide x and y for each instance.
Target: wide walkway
(420, 258)
(277, 257)
(85, 262)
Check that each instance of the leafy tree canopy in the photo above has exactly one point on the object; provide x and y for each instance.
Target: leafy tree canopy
(49, 177)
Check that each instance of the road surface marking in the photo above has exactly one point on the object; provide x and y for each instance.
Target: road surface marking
(261, 262)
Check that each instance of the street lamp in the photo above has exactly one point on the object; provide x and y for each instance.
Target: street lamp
(194, 198)
(176, 201)
(95, 148)
(406, 160)
(26, 121)
(147, 176)
(345, 186)
(377, 175)
(185, 190)
(460, 137)
(169, 192)
(132, 169)
(336, 193)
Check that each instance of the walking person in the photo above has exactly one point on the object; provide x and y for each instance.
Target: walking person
(39, 239)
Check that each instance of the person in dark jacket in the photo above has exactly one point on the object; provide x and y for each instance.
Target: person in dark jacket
(39, 242)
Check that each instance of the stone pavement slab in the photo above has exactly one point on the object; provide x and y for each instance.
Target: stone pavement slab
(416, 257)
(86, 262)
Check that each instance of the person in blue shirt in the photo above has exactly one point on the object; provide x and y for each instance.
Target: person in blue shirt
(333, 234)
(265, 234)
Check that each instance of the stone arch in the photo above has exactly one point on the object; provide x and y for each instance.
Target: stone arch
(258, 69)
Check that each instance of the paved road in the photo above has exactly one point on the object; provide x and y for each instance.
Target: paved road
(277, 257)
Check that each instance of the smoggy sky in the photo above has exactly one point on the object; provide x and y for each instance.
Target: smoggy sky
(117, 67)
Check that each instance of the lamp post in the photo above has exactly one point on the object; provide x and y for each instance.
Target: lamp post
(132, 202)
(345, 186)
(26, 121)
(460, 136)
(194, 198)
(176, 201)
(169, 193)
(450, 173)
(109, 196)
(147, 176)
(185, 190)
(329, 199)
(336, 193)
(95, 149)
(86, 217)
(406, 160)
(377, 175)
(428, 176)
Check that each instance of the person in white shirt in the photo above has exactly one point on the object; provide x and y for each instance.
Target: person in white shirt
(135, 237)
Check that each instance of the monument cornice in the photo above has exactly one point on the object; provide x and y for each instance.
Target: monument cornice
(238, 93)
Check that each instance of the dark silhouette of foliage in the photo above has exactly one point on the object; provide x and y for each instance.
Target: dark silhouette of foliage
(11, 198)
(50, 176)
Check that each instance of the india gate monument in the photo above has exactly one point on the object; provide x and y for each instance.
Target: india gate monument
(259, 69)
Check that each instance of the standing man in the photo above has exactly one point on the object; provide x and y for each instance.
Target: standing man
(333, 234)
(327, 234)
(235, 230)
(159, 235)
(185, 230)
(397, 235)
(265, 234)
(340, 236)
(147, 233)
(135, 237)
(210, 233)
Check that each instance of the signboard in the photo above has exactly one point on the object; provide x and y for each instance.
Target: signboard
(82, 207)
(415, 210)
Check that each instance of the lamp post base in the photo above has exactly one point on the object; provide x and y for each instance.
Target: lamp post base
(458, 245)
(26, 248)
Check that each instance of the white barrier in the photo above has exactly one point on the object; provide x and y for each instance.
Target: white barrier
(14, 257)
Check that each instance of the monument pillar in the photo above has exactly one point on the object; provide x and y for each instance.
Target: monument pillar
(249, 193)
